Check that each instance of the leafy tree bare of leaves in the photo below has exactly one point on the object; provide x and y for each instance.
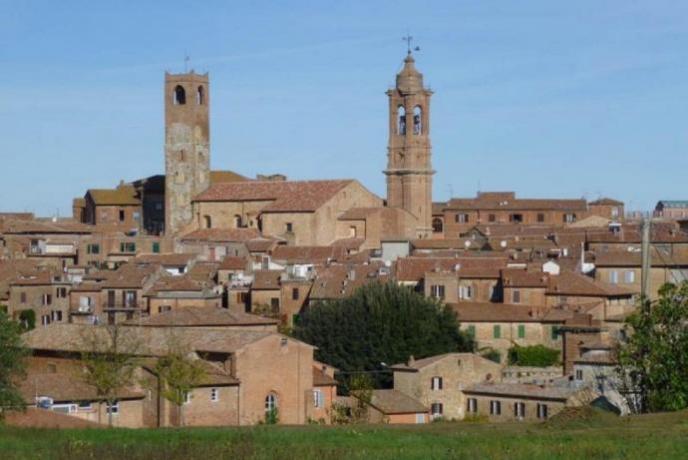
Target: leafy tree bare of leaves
(380, 323)
(179, 371)
(653, 359)
(110, 358)
(12, 365)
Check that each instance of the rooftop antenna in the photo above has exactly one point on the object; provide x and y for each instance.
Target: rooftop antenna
(186, 63)
(408, 39)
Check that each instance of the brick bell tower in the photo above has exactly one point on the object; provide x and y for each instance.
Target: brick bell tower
(409, 168)
(187, 146)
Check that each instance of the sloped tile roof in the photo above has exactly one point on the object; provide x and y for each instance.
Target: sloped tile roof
(124, 195)
(292, 196)
(222, 235)
(395, 402)
(308, 254)
(203, 317)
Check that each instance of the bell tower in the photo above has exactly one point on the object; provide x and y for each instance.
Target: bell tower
(187, 146)
(409, 168)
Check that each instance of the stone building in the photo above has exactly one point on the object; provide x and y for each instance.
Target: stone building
(409, 167)
(187, 146)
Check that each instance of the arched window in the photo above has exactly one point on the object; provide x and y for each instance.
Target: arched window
(237, 221)
(200, 96)
(401, 120)
(437, 225)
(417, 120)
(207, 222)
(270, 403)
(179, 95)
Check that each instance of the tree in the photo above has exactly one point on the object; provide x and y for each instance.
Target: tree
(534, 355)
(179, 371)
(380, 323)
(653, 359)
(12, 365)
(110, 361)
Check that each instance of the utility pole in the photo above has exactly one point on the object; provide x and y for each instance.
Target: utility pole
(646, 261)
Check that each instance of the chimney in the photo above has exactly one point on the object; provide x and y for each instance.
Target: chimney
(411, 361)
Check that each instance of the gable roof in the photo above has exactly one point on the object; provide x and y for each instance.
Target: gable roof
(287, 196)
(308, 254)
(395, 402)
(202, 317)
(124, 195)
(222, 235)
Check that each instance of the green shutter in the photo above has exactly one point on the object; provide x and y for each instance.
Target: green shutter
(555, 333)
(156, 248)
(497, 331)
(521, 331)
(121, 247)
(471, 331)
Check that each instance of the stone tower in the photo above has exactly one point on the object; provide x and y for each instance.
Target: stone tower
(409, 167)
(187, 146)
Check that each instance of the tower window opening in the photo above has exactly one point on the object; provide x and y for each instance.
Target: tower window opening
(401, 120)
(207, 221)
(179, 95)
(200, 96)
(417, 121)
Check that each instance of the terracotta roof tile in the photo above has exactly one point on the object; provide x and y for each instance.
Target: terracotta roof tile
(295, 196)
(222, 234)
(308, 254)
(203, 317)
(395, 402)
(266, 279)
(124, 195)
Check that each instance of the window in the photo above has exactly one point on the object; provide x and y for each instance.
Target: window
(516, 296)
(164, 308)
(295, 294)
(541, 217)
(461, 218)
(207, 222)
(471, 331)
(47, 299)
(521, 331)
(465, 292)
(317, 398)
(401, 120)
(420, 419)
(436, 383)
(121, 215)
(437, 291)
(56, 315)
(495, 407)
(496, 331)
(127, 247)
(472, 406)
(93, 249)
(519, 410)
(179, 96)
(542, 411)
(214, 395)
(129, 299)
(270, 403)
(629, 277)
(187, 397)
(274, 304)
(613, 277)
(417, 121)
(136, 216)
(200, 96)
(615, 212)
(156, 248)
(491, 218)
(437, 225)
(516, 218)
(579, 374)
(85, 405)
(61, 293)
(436, 409)
(569, 218)
(112, 409)
(555, 333)
(22, 297)
(289, 227)
(45, 320)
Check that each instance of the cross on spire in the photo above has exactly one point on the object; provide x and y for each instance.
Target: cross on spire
(408, 39)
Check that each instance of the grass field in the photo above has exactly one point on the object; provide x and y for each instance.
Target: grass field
(582, 435)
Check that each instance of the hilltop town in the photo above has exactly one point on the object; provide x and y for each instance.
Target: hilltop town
(227, 264)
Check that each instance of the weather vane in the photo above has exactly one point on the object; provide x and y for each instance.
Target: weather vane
(408, 39)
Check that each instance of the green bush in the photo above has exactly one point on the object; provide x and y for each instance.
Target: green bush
(492, 355)
(535, 355)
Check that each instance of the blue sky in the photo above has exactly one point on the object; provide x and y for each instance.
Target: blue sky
(550, 99)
